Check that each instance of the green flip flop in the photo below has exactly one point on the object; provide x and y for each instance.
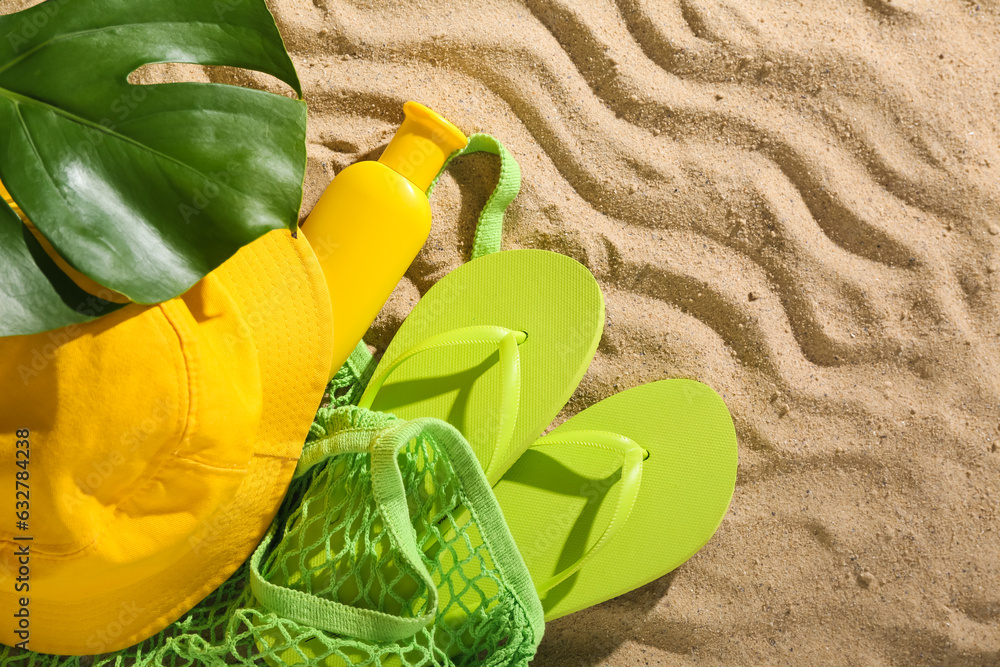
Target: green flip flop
(622, 493)
(495, 349)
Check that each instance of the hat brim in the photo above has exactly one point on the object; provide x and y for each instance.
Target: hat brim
(278, 286)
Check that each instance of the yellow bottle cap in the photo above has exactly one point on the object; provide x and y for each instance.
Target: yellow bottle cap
(421, 145)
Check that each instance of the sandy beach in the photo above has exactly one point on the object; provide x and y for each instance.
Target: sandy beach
(795, 202)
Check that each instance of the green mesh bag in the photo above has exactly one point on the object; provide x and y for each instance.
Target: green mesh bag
(397, 554)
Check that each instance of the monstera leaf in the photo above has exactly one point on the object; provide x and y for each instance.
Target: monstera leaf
(144, 189)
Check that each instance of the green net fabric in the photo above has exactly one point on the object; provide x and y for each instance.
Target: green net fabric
(335, 550)
(397, 540)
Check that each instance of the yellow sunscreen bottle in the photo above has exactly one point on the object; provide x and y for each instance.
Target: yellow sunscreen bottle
(373, 219)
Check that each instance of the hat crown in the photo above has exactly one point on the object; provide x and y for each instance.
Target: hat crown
(141, 426)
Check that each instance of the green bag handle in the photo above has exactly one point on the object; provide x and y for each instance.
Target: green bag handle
(387, 487)
(632, 457)
(506, 341)
(489, 228)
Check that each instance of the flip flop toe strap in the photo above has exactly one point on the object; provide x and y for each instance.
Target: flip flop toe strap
(631, 478)
(506, 341)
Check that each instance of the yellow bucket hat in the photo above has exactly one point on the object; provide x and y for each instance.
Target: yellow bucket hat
(145, 453)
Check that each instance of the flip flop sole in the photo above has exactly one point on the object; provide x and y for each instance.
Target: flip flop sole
(558, 501)
(552, 298)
